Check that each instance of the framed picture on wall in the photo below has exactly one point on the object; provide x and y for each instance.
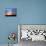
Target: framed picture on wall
(33, 32)
(11, 12)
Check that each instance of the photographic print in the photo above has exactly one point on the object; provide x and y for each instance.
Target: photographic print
(10, 12)
(33, 32)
